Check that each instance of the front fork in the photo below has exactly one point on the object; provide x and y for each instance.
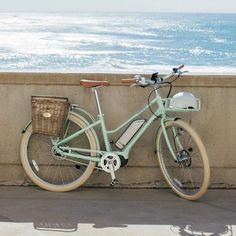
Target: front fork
(175, 136)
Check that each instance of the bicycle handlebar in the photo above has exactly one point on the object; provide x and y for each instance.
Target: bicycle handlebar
(142, 81)
(181, 67)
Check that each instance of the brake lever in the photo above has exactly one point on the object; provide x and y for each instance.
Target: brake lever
(142, 86)
(182, 72)
(186, 71)
(133, 85)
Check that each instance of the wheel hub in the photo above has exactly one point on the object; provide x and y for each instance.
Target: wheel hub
(185, 158)
(55, 154)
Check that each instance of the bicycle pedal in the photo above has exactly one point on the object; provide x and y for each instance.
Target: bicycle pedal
(113, 182)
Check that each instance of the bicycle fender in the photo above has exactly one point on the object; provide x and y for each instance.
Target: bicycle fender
(75, 109)
(26, 126)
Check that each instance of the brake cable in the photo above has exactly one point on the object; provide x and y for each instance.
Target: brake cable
(168, 94)
(149, 96)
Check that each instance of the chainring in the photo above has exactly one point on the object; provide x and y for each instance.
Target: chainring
(110, 158)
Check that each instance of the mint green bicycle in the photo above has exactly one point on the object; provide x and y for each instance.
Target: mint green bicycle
(66, 162)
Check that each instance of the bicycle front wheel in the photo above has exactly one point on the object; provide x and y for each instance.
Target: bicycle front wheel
(51, 171)
(188, 174)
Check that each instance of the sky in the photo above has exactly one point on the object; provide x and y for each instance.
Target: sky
(225, 6)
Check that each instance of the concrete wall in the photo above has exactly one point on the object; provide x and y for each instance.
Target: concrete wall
(215, 123)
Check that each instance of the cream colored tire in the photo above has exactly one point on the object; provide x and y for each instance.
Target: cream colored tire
(77, 120)
(202, 153)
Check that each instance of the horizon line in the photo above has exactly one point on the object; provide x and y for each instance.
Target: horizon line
(115, 11)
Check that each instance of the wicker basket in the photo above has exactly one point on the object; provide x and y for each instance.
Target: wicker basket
(49, 114)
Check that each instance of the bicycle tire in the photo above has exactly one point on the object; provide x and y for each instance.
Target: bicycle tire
(33, 167)
(186, 160)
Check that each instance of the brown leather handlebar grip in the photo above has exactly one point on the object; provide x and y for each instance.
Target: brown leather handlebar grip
(181, 66)
(128, 81)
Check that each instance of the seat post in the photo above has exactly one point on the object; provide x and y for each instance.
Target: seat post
(97, 101)
(101, 118)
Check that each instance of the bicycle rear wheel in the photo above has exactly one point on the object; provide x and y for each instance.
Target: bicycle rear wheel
(189, 174)
(53, 172)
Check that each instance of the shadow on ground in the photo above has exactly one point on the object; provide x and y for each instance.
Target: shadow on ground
(214, 214)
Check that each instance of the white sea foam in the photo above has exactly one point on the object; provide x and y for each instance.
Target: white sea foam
(219, 40)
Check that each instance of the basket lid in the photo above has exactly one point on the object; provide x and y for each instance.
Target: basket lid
(49, 97)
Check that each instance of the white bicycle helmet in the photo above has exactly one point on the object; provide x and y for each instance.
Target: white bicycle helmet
(183, 100)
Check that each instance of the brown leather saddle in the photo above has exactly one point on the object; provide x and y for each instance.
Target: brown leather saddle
(93, 83)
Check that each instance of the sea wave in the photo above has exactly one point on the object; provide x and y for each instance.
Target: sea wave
(117, 42)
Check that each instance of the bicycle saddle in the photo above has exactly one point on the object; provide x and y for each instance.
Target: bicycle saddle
(93, 83)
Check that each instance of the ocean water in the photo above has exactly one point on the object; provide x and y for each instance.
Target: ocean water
(117, 42)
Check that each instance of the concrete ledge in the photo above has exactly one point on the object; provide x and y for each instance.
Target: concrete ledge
(215, 123)
(115, 79)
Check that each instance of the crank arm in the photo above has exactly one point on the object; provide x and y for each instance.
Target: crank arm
(113, 177)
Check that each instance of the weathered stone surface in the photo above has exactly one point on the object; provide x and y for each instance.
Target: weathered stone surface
(215, 123)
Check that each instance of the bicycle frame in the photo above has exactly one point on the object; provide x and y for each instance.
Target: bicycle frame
(160, 112)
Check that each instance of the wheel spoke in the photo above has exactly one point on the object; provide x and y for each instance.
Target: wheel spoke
(71, 172)
(61, 175)
(48, 166)
(43, 139)
(54, 178)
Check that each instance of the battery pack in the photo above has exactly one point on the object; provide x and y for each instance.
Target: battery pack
(129, 133)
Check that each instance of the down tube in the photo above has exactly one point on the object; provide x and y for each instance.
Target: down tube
(139, 134)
